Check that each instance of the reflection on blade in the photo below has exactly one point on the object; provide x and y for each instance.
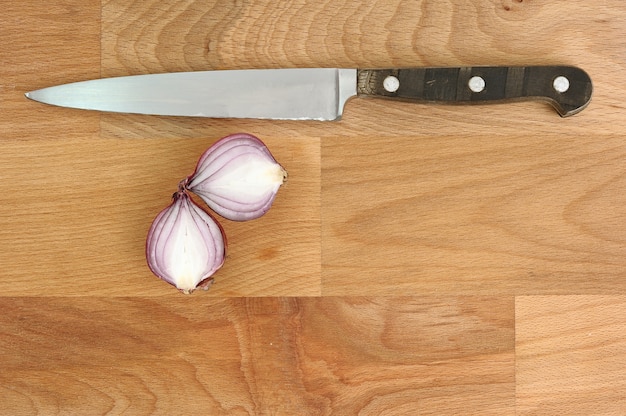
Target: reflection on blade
(291, 94)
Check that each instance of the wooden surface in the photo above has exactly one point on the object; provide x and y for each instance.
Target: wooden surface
(420, 260)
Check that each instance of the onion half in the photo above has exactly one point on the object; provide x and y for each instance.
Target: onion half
(237, 177)
(185, 245)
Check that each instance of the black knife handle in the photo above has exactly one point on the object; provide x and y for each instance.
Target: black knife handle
(567, 88)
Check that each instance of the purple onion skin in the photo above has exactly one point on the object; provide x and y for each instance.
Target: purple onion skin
(237, 177)
(182, 228)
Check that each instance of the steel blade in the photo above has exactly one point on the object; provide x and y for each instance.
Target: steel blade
(286, 94)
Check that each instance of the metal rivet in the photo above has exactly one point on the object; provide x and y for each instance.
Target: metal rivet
(476, 84)
(391, 84)
(561, 84)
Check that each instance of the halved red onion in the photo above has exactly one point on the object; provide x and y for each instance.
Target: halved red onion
(185, 245)
(237, 177)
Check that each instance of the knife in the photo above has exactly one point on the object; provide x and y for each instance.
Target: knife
(318, 93)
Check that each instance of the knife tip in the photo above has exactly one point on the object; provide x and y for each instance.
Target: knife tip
(32, 95)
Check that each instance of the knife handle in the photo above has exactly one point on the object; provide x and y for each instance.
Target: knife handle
(567, 88)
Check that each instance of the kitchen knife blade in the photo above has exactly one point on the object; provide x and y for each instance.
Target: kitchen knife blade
(317, 93)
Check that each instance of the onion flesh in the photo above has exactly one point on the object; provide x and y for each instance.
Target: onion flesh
(237, 177)
(185, 245)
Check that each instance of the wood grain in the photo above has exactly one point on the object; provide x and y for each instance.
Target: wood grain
(264, 356)
(570, 355)
(39, 49)
(470, 259)
(510, 215)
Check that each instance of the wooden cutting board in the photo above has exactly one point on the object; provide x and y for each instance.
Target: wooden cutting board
(421, 259)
